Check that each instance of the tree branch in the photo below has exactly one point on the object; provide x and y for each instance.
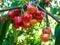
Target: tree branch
(10, 9)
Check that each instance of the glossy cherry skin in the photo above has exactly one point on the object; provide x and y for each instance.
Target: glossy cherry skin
(44, 37)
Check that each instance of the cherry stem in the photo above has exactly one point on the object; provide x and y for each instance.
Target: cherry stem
(47, 21)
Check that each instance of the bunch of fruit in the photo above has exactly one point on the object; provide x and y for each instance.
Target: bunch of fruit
(45, 36)
(29, 18)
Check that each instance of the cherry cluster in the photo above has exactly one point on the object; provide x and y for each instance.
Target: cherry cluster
(29, 18)
(45, 36)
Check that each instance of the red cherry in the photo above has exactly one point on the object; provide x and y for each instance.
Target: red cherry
(49, 30)
(40, 18)
(16, 12)
(10, 14)
(31, 8)
(26, 17)
(44, 37)
(39, 15)
(17, 21)
(46, 30)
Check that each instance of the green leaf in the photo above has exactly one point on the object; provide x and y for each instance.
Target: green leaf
(20, 32)
(1, 24)
(57, 34)
(53, 10)
(15, 35)
(42, 3)
(4, 30)
(14, 4)
(21, 2)
(9, 40)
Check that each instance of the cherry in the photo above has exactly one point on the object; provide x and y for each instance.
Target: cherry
(46, 30)
(17, 21)
(10, 14)
(16, 12)
(26, 17)
(44, 37)
(31, 8)
(39, 15)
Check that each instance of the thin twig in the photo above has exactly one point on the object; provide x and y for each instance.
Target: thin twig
(10, 9)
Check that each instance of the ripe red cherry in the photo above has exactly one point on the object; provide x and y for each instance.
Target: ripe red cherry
(10, 14)
(16, 12)
(46, 30)
(3, 19)
(40, 18)
(31, 8)
(26, 17)
(39, 15)
(44, 37)
(17, 21)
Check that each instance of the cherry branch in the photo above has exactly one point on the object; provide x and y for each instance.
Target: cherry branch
(10, 9)
(39, 7)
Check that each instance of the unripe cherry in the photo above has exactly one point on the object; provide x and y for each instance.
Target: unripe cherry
(17, 20)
